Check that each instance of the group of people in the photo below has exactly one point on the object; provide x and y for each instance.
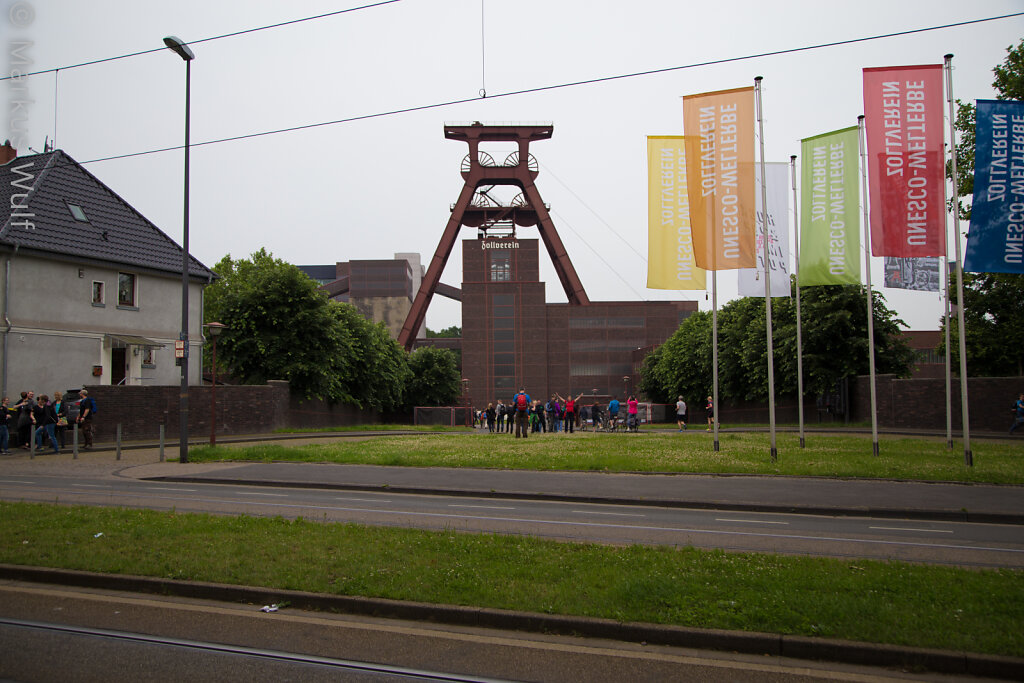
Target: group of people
(557, 414)
(42, 419)
(682, 413)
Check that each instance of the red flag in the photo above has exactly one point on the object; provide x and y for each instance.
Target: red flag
(906, 179)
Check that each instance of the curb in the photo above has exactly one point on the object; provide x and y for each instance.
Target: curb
(779, 645)
(884, 513)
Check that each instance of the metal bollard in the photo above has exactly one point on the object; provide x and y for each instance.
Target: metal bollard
(118, 440)
(161, 443)
(74, 443)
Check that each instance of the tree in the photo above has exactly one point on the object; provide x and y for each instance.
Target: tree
(993, 317)
(834, 338)
(452, 331)
(435, 378)
(993, 324)
(280, 326)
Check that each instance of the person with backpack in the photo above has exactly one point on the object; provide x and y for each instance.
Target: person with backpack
(521, 403)
(549, 408)
(86, 413)
(613, 413)
(500, 416)
(570, 411)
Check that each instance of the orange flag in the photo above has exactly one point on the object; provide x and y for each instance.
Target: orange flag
(719, 129)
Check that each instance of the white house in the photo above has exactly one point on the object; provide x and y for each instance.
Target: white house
(90, 290)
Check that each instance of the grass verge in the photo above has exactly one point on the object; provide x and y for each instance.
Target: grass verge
(374, 428)
(881, 602)
(747, 453)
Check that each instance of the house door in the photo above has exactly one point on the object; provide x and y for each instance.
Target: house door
(118, 365)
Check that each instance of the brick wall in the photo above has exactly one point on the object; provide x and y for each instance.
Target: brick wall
(240, 410)
(921, 403)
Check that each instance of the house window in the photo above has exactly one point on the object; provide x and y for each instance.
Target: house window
(97, 293)
(501, 265)
(125, 289)
(147, 358)
(78, 213)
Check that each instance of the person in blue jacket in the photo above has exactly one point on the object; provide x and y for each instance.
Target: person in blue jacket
(613, 412)
(521, 404)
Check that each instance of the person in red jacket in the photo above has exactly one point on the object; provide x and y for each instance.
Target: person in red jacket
(570, 411)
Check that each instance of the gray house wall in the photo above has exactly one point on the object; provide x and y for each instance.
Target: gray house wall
(57, 335)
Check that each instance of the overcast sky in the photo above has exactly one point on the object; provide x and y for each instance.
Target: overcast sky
(369, 188)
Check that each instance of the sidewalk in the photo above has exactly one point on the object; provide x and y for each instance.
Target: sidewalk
(942, 501)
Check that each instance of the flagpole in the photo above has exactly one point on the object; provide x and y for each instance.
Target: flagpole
(949, 366)
(799, 342)
(764, 251)
(964, 409)
(714, 353)
(867, 271)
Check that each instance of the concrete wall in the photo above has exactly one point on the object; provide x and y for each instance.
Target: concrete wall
(57, 334)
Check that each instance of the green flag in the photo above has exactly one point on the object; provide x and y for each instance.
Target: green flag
(829, 209)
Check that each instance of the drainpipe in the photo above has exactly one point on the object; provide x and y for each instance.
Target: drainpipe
(7, 320)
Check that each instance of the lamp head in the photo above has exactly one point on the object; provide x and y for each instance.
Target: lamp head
(179, 47)
(215, 328)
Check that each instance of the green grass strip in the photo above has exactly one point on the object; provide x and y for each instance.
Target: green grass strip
(373, 428)
(883, 602)
(748, 453)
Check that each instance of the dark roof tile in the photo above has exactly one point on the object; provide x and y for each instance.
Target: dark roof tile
(115, 232)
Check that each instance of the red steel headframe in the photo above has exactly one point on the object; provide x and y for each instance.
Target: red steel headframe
(476, 175)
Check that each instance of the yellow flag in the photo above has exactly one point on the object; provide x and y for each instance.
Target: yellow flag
(670, 262)
(719, 129)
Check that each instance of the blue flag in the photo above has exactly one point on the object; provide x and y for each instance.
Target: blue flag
(995, 241)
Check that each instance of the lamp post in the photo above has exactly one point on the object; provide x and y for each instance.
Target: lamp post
(182, 50)
(214, 330)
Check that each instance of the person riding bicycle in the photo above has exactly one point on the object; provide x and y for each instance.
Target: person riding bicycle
(613, 413)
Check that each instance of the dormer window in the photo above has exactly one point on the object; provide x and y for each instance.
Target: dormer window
(78, 213)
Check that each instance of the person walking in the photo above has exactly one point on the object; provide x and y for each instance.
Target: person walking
(570, 411)
(521, 404)
(60, 407)
(681, 413)
(549, 408)
(24, 424)
(5, 422)
(489, 413)
(595, 415)
(499, 411)
(709, 408)
(538, 410)
(86, 413)
(45, 420)
(1018, 408)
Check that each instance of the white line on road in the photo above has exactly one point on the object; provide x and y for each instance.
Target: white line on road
(609, 514)
(749, 521)
(898, 528)
(267, 495)
(480, 507)
(365, 500)
(170, 489)
(15, 481)
(92, 486)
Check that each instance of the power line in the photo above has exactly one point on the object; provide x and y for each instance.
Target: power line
(543, 88)
(206, 40)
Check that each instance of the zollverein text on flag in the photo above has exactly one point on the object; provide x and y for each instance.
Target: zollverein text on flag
(719, 128)
(995, 241)
(670, 259)
(830, 209)
(751, 280)
(906, 166)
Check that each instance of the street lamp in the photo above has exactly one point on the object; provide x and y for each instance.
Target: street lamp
(182, 50)
(214, 329)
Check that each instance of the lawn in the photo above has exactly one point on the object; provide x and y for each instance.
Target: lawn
(881, 602)
(691, 451)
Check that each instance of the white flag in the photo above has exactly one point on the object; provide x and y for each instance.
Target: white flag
(751, 280)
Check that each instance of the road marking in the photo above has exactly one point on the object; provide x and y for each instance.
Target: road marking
(267, 495)
(365, 500)
(168, 488)
(898, 528)
(92, 486)
(15, 481)
(609, 514)
(480, 507)
(749, 521)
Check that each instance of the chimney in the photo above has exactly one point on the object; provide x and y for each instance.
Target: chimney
(7, 153)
